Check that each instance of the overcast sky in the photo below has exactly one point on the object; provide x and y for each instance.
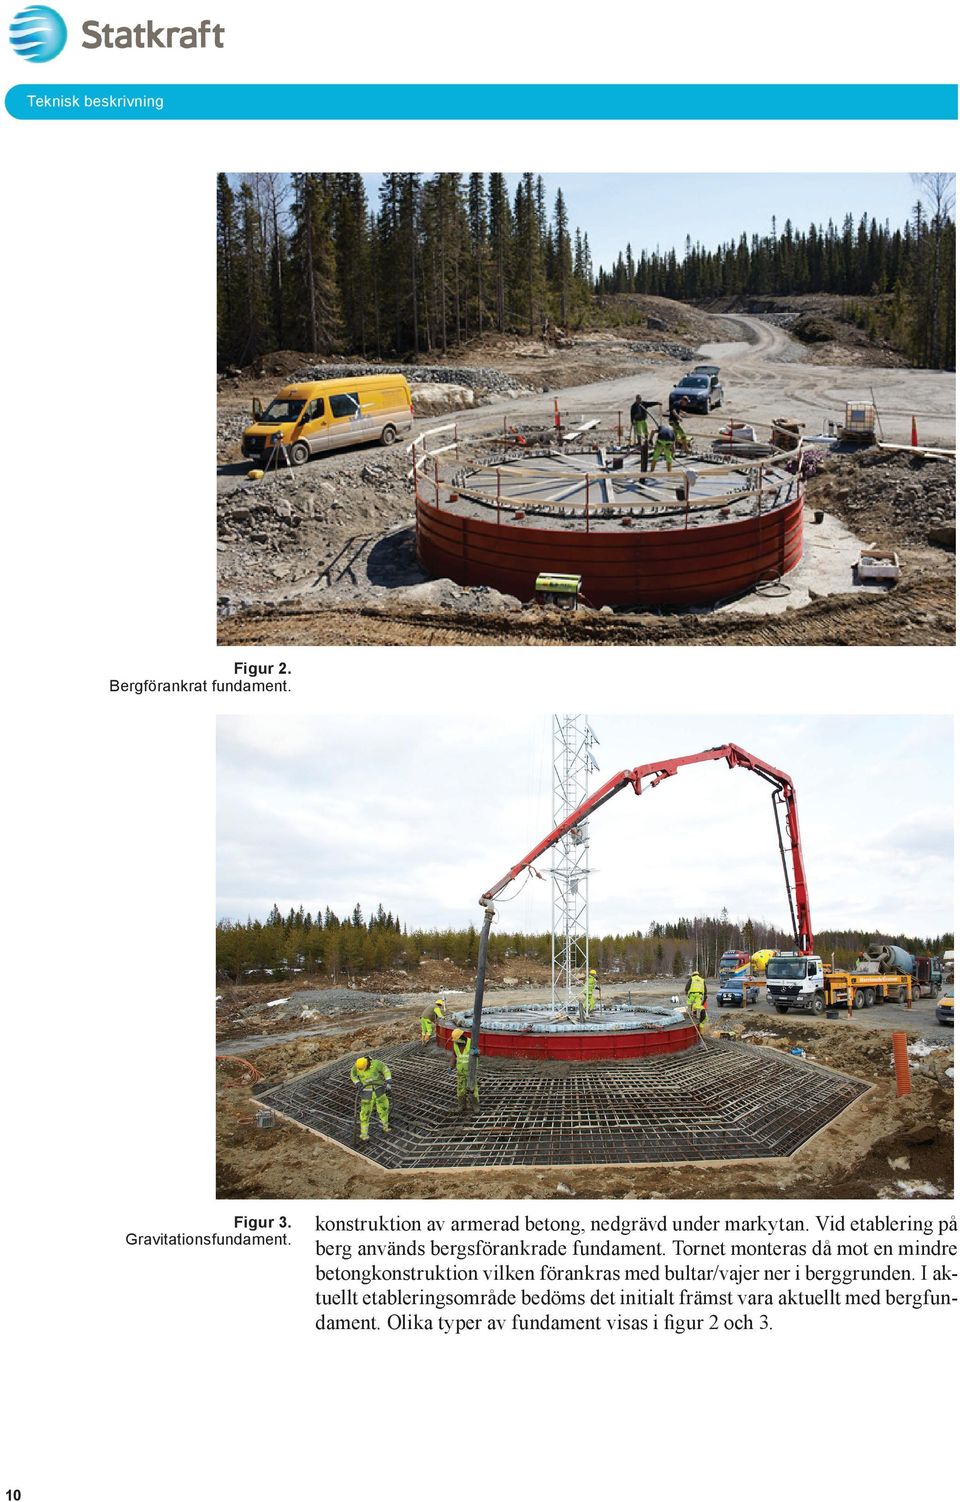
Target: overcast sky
(424, 814)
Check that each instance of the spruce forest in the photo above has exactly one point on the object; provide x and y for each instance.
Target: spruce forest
(306, 262)
(337, 949)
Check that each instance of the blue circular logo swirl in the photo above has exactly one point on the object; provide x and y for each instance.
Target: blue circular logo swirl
(38, 33)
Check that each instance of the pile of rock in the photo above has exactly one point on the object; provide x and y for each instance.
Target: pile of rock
(808, 327)
(668, 347)
(443, 594)
(359, 490)
(885, 493)
(789, 320)
(230, 426)
(477, 377)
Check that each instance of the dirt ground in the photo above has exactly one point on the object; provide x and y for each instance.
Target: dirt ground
(624, 328)
(821, 320)
(917, 614)
(326, 554)
(881, 1147)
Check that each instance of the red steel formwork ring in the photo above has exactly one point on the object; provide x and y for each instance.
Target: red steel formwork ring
(620, 568)
(588, 1043)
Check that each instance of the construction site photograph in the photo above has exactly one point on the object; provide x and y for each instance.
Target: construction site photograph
(661, 408)
(448, 983)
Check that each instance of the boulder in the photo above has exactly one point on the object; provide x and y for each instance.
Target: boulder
(943, 537)
(435, 399)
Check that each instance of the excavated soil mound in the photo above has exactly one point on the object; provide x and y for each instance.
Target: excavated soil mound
(890, 497)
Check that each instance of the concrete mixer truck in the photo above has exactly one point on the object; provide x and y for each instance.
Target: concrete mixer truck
(925, 970)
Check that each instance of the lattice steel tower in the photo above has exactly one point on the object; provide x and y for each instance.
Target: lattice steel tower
(573, 762)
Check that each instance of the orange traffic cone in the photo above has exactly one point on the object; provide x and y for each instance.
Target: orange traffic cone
(914, 440)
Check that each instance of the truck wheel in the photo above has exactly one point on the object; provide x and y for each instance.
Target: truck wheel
(818, 1002)
(783, 1010)
(863, 996)
(299, 453)
(388, 436)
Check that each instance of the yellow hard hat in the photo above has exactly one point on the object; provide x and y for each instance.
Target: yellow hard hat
(255, 474)
(363, 1064)
(441, 1003)
(457, 1033)
(593, 972)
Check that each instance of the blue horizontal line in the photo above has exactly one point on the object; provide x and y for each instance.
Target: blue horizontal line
(536, 101)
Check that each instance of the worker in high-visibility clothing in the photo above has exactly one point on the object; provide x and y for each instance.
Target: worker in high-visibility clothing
(677, 409)
(372, 1078)
(461, 1062)
(590, 991)
(638, 420)
(697, 999)
(429, 1019)
(663, 448)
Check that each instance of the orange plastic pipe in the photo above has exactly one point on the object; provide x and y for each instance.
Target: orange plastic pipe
(231, 1058)
(901, 1064)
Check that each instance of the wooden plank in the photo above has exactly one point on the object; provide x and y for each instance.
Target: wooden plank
(584, 428)
(910, 448)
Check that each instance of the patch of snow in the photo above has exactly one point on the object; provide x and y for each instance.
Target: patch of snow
(922, 1048)
(281, 1001)
(900, 1165)
(910, 1188)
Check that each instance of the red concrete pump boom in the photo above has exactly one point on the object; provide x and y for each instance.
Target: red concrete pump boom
(735, 756)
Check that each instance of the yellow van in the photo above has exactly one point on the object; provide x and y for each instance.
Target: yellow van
(314, 416)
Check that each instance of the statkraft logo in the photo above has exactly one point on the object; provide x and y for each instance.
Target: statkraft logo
(38, 33)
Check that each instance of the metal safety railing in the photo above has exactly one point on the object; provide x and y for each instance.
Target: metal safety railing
(733, 433)
(593, 497)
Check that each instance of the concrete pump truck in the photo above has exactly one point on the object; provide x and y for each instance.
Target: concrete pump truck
(641, 779)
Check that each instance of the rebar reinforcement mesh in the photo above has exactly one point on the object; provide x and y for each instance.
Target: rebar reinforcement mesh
(729, 1101)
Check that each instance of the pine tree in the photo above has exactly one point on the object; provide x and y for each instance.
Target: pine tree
(352, 241)
(501, 241)
(479, 246)
(229, 274)
(563, 257)
(313, 293)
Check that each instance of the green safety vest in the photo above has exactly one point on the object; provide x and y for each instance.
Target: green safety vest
(461, 1050)
(374, 1077)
